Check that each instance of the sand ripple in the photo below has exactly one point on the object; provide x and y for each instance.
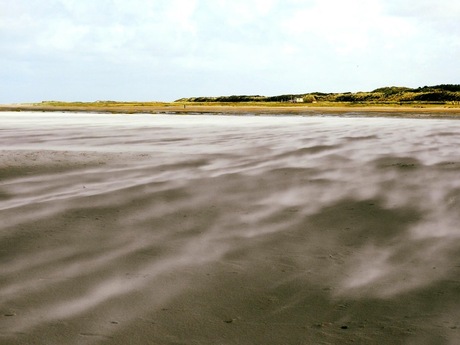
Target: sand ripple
(200, 229)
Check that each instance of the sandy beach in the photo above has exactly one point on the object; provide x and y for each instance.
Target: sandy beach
(203, 229)
(429, 110)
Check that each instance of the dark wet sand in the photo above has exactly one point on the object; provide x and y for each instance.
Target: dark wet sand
(228, 230)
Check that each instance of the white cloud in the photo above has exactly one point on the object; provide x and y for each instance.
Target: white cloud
(347, 26)
(240, 12)
(179, 13)
(272, 45)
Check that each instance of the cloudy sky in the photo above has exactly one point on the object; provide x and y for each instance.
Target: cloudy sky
(86, 50)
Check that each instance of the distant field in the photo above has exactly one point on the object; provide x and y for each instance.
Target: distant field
(437, 100)
(259, 108)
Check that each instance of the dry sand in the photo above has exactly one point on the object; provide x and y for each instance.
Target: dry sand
(228, 230)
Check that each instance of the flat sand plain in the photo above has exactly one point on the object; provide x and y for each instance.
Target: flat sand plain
(141, 229)
(238, 109)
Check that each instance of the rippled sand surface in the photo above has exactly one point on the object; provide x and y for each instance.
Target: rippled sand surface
(136, 229)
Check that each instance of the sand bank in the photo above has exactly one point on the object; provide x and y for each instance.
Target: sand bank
(193, 230)
(238, 109)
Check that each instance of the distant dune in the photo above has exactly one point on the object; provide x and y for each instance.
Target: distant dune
(434, 101)
(438, 94)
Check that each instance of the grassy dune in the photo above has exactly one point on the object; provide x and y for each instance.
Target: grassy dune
(438, 94)
(441, 99)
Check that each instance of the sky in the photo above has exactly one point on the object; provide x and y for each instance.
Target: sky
(163, 50)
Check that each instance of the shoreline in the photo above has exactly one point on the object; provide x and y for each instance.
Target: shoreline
(241, 109)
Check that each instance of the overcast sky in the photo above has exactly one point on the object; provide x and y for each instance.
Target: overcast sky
(87, 50)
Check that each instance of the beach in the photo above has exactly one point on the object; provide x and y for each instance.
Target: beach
(190, 108)
(216, 229)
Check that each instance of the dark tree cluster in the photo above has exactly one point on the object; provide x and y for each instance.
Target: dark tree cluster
(443, 93)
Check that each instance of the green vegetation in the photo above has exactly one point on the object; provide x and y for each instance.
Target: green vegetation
(439, 94)
(105, 104)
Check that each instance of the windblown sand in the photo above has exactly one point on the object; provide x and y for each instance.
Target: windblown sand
(162, 229)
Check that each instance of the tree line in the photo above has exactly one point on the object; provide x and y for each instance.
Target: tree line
(444, 93)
